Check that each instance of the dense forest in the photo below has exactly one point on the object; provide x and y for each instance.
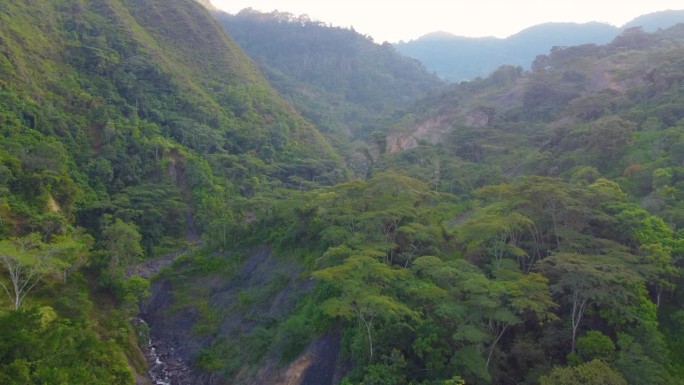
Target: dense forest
(523, 228)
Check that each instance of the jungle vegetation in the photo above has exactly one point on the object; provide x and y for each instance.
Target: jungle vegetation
(534, 238)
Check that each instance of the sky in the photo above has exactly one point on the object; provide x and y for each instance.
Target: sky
(396, 20)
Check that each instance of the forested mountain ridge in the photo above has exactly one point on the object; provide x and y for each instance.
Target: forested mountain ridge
(341, 80)
(457, 58)
(105, 80)
(568, 87)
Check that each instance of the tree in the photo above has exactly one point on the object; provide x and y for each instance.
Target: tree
(554, 213)
(517, 294)
(73, 250)
(639, 364)
(595, 372)
(607, 137)
(37, 346)
(595, 345)
(26, 261)
(481, 309)
(586, 280)
(122, 241)
(495, 233)
(365, 285)
(461, 315)
(651, 239)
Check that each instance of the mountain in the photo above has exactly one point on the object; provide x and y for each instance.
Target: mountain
(657, 20)
(121, 95)
(128, 129)
(569, 89)
(456, 58)
(207, 4)
(341, 80)
(608, 117)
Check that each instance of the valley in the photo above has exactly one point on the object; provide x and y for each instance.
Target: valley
(192, 197)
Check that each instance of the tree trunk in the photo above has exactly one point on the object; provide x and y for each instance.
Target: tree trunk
(368, 325)
(578, 307)
(491, 348)
(17, 297)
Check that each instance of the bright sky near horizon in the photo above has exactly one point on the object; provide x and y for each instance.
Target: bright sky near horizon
(395, 20)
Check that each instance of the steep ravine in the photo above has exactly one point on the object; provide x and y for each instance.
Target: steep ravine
(163, 365)
(175, 344)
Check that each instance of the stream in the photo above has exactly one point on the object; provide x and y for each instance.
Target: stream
(164, 367)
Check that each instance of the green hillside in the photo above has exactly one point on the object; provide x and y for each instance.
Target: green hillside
(112, 101)
(126, 129)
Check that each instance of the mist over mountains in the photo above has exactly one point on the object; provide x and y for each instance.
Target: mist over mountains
(458, 58)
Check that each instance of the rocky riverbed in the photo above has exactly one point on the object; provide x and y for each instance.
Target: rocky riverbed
(165, 367)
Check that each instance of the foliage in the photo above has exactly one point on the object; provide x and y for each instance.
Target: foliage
(593, 372)
(595, 345)
(43, 344)
(363, 282)
(116, 131)
(38, 347)
(26, 261)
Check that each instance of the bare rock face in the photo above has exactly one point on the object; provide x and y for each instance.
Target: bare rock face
(319, 364)
(430, 130)
(478, 117)
(433, 129)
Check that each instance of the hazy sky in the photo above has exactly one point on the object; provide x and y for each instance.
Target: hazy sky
(394, 20)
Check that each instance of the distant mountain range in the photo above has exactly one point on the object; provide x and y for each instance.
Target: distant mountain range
(458, 58)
